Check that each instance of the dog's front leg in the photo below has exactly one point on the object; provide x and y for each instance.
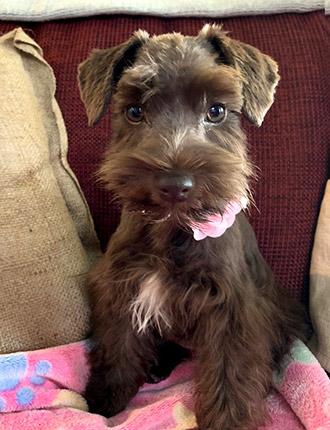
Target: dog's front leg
(232, 375)
(119, 362)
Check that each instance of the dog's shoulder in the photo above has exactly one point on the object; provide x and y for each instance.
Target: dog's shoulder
(258, 267)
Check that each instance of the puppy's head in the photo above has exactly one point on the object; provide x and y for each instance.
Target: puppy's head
(178, 149)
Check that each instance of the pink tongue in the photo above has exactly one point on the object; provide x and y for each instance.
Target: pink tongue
(217, 224)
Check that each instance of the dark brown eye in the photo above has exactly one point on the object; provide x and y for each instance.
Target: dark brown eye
(135, 114)
(216, 113)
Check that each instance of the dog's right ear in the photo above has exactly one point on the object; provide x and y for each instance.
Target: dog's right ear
(98, 76)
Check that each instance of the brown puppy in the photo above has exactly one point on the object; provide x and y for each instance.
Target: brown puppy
(178, 163)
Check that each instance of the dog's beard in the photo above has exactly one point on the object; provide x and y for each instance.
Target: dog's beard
(148, 211)
(181, 214)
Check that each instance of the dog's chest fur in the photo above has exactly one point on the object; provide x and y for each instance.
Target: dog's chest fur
(153, 304)
(170, 298)
(149, 307)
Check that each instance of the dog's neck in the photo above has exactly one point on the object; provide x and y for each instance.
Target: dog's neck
(166, 234)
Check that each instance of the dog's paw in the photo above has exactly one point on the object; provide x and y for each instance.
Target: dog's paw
(106, 405)
(104, 401)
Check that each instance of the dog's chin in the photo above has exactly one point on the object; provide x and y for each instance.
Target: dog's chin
(148, 211)
(181, 214)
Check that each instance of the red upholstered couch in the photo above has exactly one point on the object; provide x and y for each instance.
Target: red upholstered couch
(291, 148)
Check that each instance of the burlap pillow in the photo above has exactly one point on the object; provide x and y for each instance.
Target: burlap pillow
(320, 285)
(47, 240)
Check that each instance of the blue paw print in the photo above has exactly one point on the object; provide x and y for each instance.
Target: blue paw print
(24, 396)
(12, 369)
(41, 369)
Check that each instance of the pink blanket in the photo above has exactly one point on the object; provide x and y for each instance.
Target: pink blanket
(44, 390)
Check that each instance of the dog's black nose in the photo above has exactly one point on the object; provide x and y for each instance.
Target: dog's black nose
(174, 188)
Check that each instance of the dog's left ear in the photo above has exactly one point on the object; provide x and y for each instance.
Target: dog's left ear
(98, 76)
(258, 71)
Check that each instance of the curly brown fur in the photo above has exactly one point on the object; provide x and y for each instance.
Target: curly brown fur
(157, 287)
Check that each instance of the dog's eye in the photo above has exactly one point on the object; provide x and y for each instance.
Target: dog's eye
(135, 114)
(216, 113)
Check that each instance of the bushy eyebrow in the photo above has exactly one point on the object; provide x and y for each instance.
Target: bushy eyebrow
(217, 84)
(138, 83)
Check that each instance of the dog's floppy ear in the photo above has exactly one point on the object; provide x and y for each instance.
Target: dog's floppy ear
(100, 73)
(258, 71)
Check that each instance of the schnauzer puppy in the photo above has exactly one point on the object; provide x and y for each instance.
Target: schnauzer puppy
(183, 269)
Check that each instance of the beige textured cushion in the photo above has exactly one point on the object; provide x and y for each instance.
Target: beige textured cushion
(47, 240)
(320, 285)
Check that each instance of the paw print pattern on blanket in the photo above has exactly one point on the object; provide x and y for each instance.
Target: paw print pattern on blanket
(18, 380)
(12, 369)
(46, 378)
(300, 402)
(41, 369)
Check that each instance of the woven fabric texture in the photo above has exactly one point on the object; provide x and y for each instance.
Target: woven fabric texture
(47, 241)
(291, 149)
(320, 285)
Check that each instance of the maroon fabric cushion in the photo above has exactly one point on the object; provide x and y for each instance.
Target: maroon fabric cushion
(291, 148)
